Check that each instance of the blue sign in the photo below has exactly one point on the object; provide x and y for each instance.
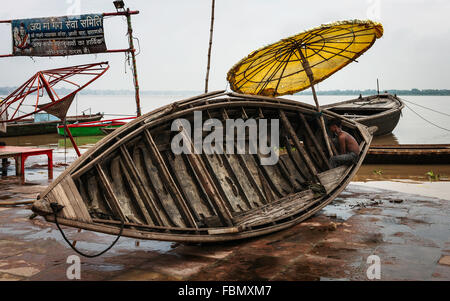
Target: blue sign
(58, 36)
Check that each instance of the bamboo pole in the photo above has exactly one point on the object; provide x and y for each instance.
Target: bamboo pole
(133, 59)
(210, 45)
(308, 71)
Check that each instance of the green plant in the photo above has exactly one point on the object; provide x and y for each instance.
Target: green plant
(377, 172)
(432, 176)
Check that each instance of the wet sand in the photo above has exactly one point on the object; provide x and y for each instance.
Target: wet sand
(409, 233)
(397, 214)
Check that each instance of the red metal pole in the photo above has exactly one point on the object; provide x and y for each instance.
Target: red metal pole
(75, 146)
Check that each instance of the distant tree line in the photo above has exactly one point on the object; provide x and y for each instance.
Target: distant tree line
(432, 92)
(425, 92)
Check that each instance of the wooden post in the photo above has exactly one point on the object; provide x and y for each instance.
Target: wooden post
(133, 60)
(210, 46)
(308, 71)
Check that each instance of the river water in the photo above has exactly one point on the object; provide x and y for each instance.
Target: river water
(411, 129)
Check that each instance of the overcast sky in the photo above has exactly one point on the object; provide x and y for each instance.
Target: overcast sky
(173, 34)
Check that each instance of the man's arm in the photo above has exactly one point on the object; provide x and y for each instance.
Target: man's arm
(343, 149)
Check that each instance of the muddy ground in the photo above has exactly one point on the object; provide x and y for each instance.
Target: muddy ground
(410, 234)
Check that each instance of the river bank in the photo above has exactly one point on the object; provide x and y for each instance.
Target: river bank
(398, 215)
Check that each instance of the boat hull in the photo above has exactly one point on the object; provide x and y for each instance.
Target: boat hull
(409, 154)
(86, 131)
(133, 175)
(382, 111)
(45, 127)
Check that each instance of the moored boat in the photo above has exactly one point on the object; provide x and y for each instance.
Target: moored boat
(91, 128)
(133, 183)
(30, 127)
(409, 154)
(382, 111)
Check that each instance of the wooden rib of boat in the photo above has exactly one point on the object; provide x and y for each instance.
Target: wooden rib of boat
(29, 127)
(382, 111)
(409, 154)
(132, 176)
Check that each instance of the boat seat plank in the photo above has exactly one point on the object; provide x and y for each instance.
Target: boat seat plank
(331, 178)
(76, 200)
(275, 210)
(59, 196)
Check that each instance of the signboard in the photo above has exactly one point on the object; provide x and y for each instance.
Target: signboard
(58, 36)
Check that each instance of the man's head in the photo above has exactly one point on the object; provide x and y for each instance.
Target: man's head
(22, 29)
(335, 125)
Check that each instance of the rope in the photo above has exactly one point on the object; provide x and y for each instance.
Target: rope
(442, 128)
(56, 208)
(445, 114)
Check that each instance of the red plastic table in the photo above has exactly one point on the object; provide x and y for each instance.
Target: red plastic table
(20, 154)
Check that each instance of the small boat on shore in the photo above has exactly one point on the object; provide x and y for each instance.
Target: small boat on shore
(29, 127)
(93, 128)
(382, 111)
(133, 183)
(409, 154)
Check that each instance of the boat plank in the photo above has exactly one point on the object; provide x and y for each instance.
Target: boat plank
(297, 144)
(76, 200)
(331, 178)
(110, 196)
(169, 181)
(144, 198)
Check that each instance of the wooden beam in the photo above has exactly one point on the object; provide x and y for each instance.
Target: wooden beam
(207, 182)
(243, 164)
(134, 190)
(287, 125)
(149, 203)
(302, 170)
(314, 140)
(110, 196)
(169, 181)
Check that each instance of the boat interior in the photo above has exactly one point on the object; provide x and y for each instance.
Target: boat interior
(134, 176)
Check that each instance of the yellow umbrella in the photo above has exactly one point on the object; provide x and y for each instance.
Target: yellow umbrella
(298, 62)
(282, 68)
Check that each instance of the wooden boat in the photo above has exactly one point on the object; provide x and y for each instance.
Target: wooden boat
(132, 176)
(29, 127)
(93, 128)
(382, 111)
(409, 154)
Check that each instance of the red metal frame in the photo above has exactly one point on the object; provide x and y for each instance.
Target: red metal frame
(54, 76)
(98, 123)
(21, 154)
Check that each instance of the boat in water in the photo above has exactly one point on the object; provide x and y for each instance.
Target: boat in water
(382, 111)
(133, 183)
(93, 128)
(416, 154)
(29, 127)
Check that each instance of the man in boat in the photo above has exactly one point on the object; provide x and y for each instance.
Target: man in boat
(348, 148)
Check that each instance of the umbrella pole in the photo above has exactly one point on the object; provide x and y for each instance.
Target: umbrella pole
(322, 122)
(308, 71)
